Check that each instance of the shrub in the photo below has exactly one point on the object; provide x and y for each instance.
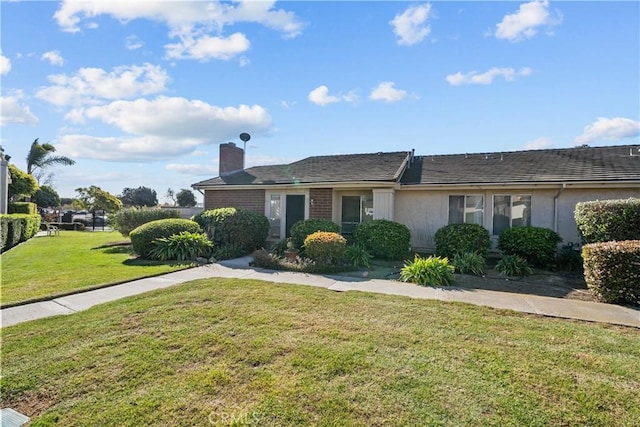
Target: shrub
(142, 237)
(432, 271)
(243, 227)
(514, 265)
(612, 270)
(453, 239)
(181, 247)
(130, 218)
(26, 208)
(470, 263)
(384, 239)
(264, 259)
(536, 245)
(228, 251)
(325, 248)
(279, 247)
(569, 259)
(17, 228)
(358, 256)
(608, 220)
(301, 229)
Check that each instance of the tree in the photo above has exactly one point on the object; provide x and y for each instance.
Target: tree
(46, 197)
(171, 195)
(185, 198)
(93, 198)
(41, 156)
(141, 196)
(22, 184)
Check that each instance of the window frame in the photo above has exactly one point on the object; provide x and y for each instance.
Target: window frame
(464, 209)
(511, 197)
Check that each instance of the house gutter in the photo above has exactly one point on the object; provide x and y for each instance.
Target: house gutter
(555, 206)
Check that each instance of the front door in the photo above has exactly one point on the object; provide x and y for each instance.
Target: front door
(295, 211)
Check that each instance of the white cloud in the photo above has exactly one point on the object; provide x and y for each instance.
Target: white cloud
(207, 47)
(5, 64)
(198, 25)
(604, 129)
(538, 144)
(386, 92)
(526, 21)
(473, 77)
(54, 57)
(161, 128)
(412, 26)
(12, 111)
(90, 84)
(320, 96)
(132, 42)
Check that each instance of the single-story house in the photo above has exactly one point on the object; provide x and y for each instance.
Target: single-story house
(497, 190)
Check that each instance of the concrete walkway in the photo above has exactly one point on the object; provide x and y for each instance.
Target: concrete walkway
(239, 268)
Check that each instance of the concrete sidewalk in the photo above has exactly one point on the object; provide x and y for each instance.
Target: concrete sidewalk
(239, 268)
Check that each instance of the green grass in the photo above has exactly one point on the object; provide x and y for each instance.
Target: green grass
(265, 354)
(49, 266)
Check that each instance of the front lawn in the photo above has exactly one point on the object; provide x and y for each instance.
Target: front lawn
(218, 350)
(48, 266)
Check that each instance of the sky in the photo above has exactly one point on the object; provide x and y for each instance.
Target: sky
(141, 93)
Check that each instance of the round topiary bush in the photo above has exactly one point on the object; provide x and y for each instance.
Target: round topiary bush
(454, 239)
(246, 229)
(301, 229)
(384, 239)
(142, 237)
(127, 219)
(325, 248)
(536, 245)
(608, 220)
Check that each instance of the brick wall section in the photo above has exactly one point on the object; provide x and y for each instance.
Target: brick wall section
(322, 207)
(247, 199)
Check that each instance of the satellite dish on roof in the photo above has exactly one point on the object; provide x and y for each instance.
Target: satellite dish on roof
(245, 137)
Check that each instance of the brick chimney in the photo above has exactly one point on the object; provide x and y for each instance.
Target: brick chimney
(231, 158)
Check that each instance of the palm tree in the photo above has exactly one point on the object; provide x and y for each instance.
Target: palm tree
(40, 157)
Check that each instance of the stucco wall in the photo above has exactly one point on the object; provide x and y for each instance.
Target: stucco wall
(424, 212)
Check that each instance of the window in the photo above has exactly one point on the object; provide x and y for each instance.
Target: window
(510, 211)
(355, 209)
(466, 209)
(275, 216)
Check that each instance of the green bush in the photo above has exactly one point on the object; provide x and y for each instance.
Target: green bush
(536, 245)
(608, 220)
(432, 271)
(301, 229)
(130, 218)
(264, 259)
(514, 265)
(568, 259)
(358, 256)
(142, 237)
(224, 226)
(184, 246)
(384, 239)
(228, 251)
(26, 208)
(455, 239)
(470, 263)
(17, 228)
(325, 248)
(279, 247)
(612, 270)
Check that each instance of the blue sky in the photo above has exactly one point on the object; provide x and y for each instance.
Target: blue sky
(142, 93)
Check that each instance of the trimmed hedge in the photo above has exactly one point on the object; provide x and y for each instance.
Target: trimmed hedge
(246, 229)
(612, 270)
(301, 229)
(454, 239)
(325, 248)
(130, 218)
(26, 208)
(536, 245)
(384, 239)
(17, 228)
(608, 220)
(142, 237)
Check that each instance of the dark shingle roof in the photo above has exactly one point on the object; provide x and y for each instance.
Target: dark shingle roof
(378, 167)
(619, 163)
